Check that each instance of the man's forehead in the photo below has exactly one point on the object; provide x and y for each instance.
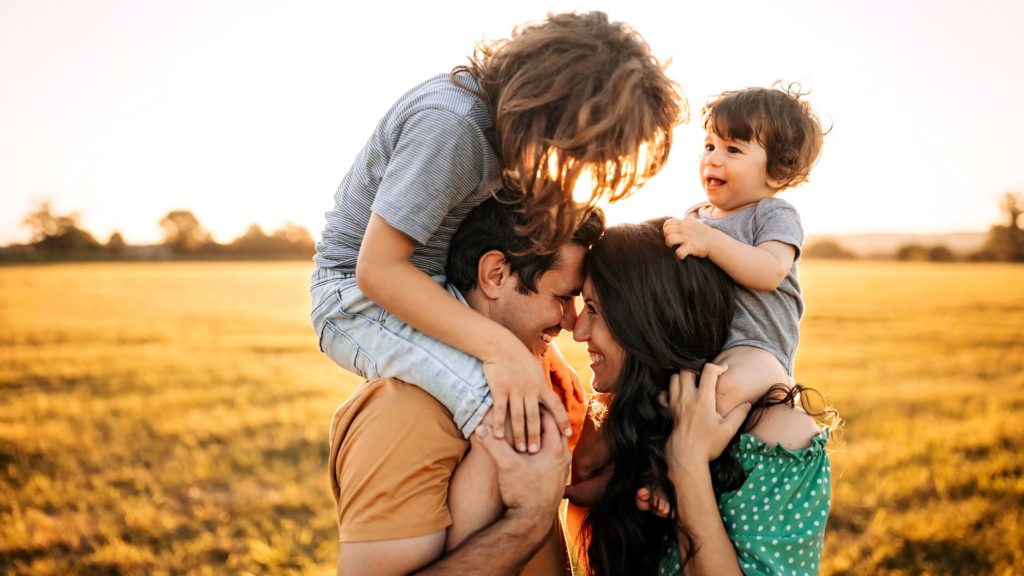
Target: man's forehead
(567, 275)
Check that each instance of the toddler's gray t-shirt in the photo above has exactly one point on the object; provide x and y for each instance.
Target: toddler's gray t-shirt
(766, 320)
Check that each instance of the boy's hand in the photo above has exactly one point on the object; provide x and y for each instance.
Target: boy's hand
(689, 237)
(519, 387)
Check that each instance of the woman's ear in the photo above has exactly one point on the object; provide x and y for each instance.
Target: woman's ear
(492, 273)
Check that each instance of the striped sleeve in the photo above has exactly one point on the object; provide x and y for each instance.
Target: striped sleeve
(435, 165)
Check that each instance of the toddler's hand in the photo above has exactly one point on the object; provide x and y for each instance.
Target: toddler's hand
(688, 236)
(519, 387)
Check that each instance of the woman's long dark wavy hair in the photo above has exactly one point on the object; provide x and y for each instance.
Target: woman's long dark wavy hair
(668, 315)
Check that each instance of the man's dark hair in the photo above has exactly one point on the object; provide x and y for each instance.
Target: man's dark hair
(495, 225)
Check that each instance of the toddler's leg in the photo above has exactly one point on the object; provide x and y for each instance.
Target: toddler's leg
(473, 497)
(752, 371)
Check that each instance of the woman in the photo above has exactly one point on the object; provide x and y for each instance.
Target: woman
(651, 322)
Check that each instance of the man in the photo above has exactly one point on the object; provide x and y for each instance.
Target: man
(394, 448)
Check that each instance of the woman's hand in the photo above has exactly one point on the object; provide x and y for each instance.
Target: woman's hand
(700, 434)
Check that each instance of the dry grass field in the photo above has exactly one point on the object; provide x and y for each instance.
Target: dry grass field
(171, 418)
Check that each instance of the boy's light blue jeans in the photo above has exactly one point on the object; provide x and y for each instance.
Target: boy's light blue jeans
(364, 338)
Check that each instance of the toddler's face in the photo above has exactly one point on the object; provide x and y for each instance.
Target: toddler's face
(733, 173)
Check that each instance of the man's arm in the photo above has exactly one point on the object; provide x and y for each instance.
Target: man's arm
(389, 557)
(531, 488)
(502, 548)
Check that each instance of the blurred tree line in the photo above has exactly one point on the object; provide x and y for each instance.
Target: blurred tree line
(1004, 242)
(185, 236)
(62, 237)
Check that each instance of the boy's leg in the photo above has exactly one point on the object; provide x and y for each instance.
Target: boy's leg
(364, 338)
(473, 497)
(752, 371)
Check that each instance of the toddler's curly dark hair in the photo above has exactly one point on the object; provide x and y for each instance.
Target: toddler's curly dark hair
(778, 118)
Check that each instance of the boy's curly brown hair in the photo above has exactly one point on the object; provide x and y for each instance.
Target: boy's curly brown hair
(575, 96)
(778, 119)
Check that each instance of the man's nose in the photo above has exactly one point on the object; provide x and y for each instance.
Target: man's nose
(569, 315)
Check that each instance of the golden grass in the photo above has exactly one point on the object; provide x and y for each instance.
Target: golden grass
(171, 418)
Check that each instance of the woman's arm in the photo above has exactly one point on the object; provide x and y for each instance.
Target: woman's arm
(700, 518)
(699, 437)
(795, 473)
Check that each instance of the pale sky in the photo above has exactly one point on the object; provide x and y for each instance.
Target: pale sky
(252, 111)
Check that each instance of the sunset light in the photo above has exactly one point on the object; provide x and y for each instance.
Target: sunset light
(251, 112)
(260, 315)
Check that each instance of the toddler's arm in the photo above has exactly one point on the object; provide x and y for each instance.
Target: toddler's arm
(761, 267)
(386, 275)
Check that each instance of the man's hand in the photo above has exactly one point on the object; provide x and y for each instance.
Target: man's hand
(531, 485)
(689, 237)
(519, 387)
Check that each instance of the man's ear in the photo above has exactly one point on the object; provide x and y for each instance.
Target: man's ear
(492, 273)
